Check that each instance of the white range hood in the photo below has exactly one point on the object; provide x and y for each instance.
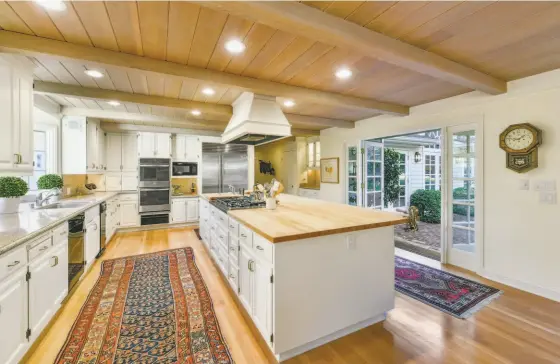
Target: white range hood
(257, 119)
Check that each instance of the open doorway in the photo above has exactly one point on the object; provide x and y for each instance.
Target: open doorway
(403, 171)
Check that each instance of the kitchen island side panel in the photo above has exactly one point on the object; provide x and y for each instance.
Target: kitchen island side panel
(325, 285)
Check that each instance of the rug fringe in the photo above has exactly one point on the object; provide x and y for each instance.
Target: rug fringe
(480, 305)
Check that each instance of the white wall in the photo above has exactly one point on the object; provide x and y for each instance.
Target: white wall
(521, 242)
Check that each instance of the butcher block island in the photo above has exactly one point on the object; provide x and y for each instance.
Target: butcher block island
(306, 273)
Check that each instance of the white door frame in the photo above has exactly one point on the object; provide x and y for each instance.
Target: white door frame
(473, 262)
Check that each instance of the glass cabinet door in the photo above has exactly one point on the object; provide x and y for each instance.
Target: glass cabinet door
(352, 175)
(373, 174)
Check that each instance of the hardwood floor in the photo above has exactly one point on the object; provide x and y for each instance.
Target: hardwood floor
(516, 328)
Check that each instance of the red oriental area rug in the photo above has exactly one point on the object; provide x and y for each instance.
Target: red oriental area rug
(447, 292)
(152, 308)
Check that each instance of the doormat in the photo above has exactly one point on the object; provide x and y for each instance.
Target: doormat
(459, 297)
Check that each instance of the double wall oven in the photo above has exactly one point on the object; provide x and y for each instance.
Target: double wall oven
(154, 190)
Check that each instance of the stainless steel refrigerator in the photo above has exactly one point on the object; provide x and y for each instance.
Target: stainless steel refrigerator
(224, 165)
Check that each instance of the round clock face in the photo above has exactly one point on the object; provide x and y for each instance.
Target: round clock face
(519, 139)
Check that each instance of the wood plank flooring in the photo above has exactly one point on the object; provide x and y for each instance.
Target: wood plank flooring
(516, 328)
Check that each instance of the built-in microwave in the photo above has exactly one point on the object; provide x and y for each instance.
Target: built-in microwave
(184, 169)
(154, 173)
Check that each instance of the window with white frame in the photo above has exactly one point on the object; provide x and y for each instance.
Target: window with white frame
(430, 172)
(39, 159)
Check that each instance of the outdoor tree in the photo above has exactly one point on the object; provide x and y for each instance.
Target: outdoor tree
(391, 176)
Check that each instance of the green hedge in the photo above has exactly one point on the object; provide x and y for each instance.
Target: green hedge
(49, 181)
(460, 193)
(428, 203)
(12, 187)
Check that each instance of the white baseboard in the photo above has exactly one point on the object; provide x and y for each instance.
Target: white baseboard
(331, 337)
(524, 286)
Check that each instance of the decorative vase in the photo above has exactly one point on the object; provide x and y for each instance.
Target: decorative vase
(271, 203)
(9, 205)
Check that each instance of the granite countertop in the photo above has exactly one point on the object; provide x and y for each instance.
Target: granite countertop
(16, 229)
(301, 218)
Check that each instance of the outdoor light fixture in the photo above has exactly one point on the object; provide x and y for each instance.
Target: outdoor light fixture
(417, 157)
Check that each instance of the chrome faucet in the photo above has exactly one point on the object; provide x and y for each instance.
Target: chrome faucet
(41, 198)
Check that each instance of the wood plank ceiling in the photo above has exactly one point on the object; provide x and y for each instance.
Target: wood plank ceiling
(507, 40)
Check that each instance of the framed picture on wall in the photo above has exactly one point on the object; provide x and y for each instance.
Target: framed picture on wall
(329, 170)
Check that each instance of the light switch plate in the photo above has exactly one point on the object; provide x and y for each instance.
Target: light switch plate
(524, 184)
(547, 198)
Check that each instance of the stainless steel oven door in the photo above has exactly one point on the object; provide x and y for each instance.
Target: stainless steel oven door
(154, 176)
(155, 199)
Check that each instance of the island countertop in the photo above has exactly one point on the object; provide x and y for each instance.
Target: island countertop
(301, 218)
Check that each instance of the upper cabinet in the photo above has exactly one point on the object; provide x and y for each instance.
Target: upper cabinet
(313, 153)
(186, 148)
(121, 152)
(154, 145)
(83, 146)
(16, 102)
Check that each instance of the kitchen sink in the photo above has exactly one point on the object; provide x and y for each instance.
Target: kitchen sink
(64, 205)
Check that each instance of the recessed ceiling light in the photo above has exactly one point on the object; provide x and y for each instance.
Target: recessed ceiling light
(208, 91)
(235, 46)
(56, 5)
(289, 103)
(195, 112)
(343, 73)
(113, 103)
(94, 73)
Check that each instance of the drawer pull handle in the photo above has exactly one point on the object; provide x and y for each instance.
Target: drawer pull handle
(13, 264)
(55, 261)
(260, 247)
(43, 248)
(251, 267)
(243, 235)
(63, 233)
(231, 226)
(232, 249)
(232, 276)
(221, 236)
(221, 218)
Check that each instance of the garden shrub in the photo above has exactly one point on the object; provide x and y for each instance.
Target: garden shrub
(460, 193)
(428, 203)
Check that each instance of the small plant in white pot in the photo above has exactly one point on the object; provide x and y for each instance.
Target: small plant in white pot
(51, 182)
(11, 190)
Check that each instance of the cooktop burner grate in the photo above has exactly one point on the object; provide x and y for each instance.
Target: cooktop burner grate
(237, 203)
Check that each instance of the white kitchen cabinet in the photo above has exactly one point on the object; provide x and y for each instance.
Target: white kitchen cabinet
(186, 148)
(129, 181)
(113, 181)
(91, 240)
(154, 145)
(192, 210)
(41, 299)
(102, 165)
(129, 213)
(92, 146)
(16, 101)
(262, 297)
(13, 317)
(113, 152)
(246, 278)
(178, 210)
(129, 152)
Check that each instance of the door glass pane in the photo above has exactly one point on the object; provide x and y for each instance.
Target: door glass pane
(464, 142)
(370, 169)
(463, 166)
(352, 199)
(373, 179)
(463, 215)
(352, 153)
(370, 184)
(352, 168)
(352, 185)
(464, 239)
(463, 191)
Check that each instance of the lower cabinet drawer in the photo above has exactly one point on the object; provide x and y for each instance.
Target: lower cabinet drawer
(12, 261)
(245, 236)
(262, 248)
(223, 260)
(39, 247)
(233, 250)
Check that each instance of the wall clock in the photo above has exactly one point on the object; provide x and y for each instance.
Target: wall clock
(521, 142)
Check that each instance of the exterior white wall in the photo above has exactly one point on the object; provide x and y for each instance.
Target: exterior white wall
(521, 245)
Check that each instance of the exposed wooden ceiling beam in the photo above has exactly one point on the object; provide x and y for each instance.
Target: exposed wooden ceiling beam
(296, 18)
(28, 44)
(222, 111)
(156, 120)
(102, 94)
(129, 126)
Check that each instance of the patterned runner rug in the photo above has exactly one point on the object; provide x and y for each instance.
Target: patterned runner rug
(447, 292)
(152, 308)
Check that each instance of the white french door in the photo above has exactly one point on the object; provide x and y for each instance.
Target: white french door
(372, 183)
(464, 196)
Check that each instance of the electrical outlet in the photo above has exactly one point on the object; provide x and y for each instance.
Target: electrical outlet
(545, 185)
(351, 242)
(547, 198)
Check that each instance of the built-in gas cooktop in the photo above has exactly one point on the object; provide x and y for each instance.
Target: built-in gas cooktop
(237, 203)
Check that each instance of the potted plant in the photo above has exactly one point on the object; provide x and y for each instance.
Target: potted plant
(11, 189)
(50, 182)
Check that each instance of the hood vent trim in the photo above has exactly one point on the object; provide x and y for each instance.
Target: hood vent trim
(257, 119)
